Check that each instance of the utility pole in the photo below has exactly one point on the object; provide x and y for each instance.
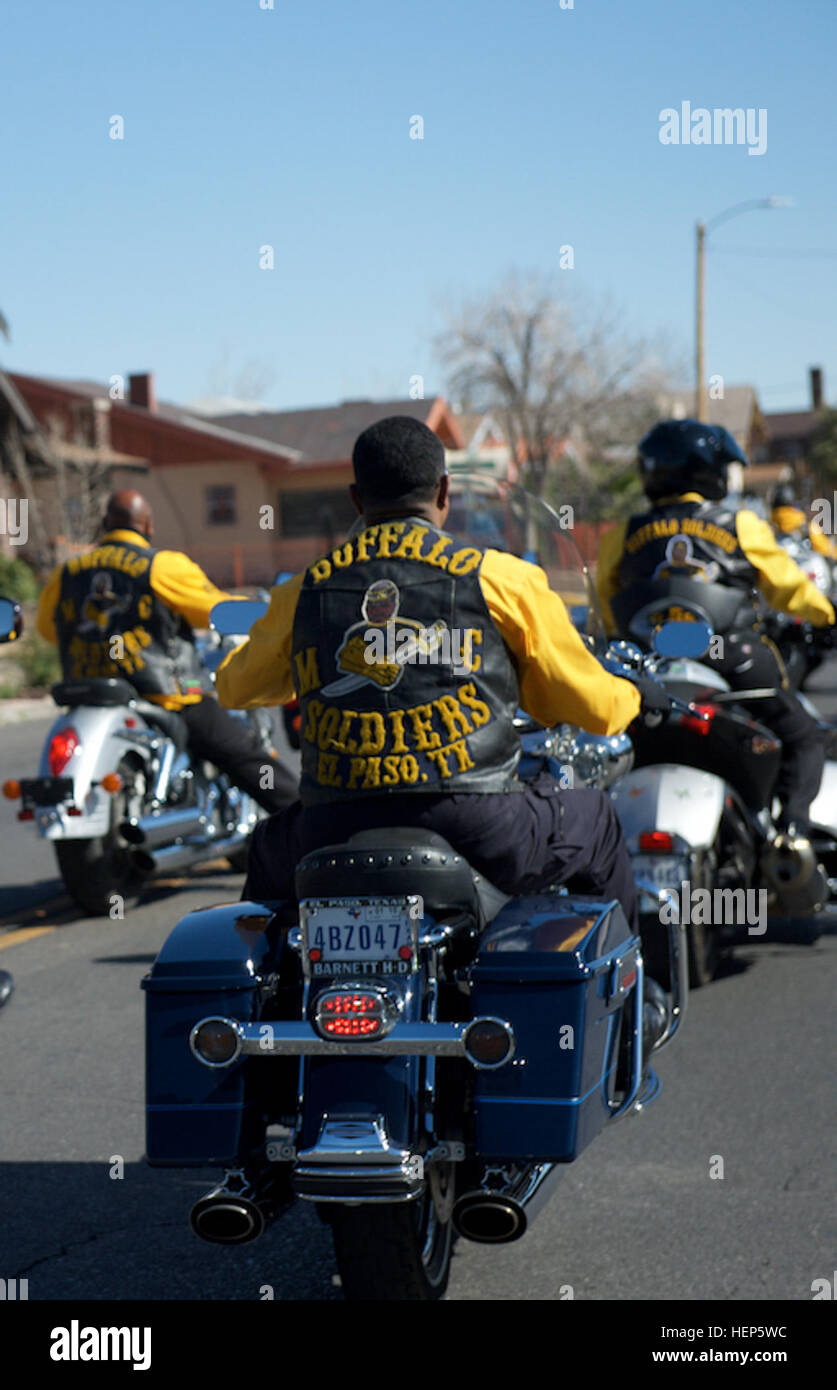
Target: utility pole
(700, 376)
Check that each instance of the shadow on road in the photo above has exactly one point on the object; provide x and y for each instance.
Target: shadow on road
(76, 1232)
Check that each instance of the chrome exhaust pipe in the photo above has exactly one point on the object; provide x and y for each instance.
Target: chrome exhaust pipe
(496, 1216)
(238, 1210)
(170, 858)
(151, 831)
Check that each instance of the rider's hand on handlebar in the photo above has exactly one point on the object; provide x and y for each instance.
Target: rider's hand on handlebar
(656, 701)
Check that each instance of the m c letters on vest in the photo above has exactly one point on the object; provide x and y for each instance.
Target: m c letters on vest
(404, 682)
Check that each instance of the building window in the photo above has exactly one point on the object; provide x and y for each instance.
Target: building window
(220, 506)
(326, 514)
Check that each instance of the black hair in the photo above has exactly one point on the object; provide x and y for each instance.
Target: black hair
(398, 459)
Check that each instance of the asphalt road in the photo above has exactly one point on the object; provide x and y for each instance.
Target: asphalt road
(750, 1080)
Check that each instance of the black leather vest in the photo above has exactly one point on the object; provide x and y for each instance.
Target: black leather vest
(111, 623)
(404, 682)
(685, 540)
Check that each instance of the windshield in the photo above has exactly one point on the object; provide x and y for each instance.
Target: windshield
(494, 515)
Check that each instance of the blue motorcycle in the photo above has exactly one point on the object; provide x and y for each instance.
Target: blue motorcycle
(403, 1045)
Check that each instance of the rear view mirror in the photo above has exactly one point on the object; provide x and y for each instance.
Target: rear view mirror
(233, 617)
(11, 620)
(683, 639)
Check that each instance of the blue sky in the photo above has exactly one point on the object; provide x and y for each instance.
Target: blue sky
(290, 127)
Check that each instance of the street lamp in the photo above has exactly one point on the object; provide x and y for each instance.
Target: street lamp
(774, 201)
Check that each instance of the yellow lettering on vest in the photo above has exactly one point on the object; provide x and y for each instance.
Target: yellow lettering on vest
(373, 735)
(363, 542)
(439, 759)
(356, 771)
(320, 571)
(463, 757)
(480, 713)
(342, 557)
(472, 637)
(373, 773)
(464, 561)
(307, 674)
(409, 768)
(453, 718)
(390, 777)
(422, 716)
(145, 603)
(327, 774)
(409, 548)
(328, 727)
(313, 712)
(387, 533)
(68, 610)
(396, 719)
(435, 557)
(342, 741)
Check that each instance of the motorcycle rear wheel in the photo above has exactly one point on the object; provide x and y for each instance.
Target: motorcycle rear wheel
(393, 1251)
(98, 870)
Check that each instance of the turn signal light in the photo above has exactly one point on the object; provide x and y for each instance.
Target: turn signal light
(11, 789)
(62, 746)
(656, 842)
(215, 1041)
(112, 782)
(488, 1042)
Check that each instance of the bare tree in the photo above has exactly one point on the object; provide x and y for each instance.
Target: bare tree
(552, 371)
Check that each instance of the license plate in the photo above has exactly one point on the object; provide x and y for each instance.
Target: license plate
(45, 791)
(664, 870)
(359, 936)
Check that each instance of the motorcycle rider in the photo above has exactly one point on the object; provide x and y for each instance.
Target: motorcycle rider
(396, 738)
(683, 466)
(151, 599)
(788, 519)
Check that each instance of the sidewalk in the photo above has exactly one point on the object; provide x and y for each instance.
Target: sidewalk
(14, 710)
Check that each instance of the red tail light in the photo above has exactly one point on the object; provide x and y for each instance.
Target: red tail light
(354, 1013)
(656, 842)
(697, 725)
(62, 746)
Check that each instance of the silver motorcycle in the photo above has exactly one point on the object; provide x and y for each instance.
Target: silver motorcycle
(119, 797)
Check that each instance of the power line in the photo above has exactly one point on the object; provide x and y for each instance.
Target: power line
(814, 253)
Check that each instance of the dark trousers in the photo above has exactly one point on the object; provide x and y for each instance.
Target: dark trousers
(520, 841)
(750, 662)
(233, 747)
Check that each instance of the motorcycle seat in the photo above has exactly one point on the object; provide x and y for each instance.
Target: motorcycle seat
(105, 691)
(400, 860)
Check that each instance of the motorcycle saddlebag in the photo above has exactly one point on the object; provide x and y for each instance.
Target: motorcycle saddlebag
(211, 964)
(558, 969)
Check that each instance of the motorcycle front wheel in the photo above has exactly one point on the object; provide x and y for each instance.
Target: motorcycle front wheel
(396, 1250)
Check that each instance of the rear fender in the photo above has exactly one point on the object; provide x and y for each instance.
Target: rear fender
(101, 748)
(670, 797)
(366, 1088)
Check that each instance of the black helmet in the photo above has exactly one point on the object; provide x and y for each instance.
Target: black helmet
(783, 495)
(686, 456)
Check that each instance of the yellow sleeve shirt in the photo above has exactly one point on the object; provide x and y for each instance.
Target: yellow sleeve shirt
(560, 680)
(780, 580)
